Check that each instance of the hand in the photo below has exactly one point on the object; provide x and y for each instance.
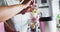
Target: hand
(27, 4)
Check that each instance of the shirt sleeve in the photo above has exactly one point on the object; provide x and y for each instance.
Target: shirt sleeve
(8, 2)
(3, 3)
(12, 2)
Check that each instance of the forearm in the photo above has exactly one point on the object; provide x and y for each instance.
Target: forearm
(7, 12)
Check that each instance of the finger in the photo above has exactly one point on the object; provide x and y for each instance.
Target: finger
(28, 3)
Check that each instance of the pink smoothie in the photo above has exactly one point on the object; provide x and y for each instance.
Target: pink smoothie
(2, 27)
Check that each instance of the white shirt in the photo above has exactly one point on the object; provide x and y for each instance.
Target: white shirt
(21, 22)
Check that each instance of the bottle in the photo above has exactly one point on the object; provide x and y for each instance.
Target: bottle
(34, 17)
(45, 8)
(34, 20)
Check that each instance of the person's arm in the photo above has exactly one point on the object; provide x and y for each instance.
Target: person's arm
(6, 12)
